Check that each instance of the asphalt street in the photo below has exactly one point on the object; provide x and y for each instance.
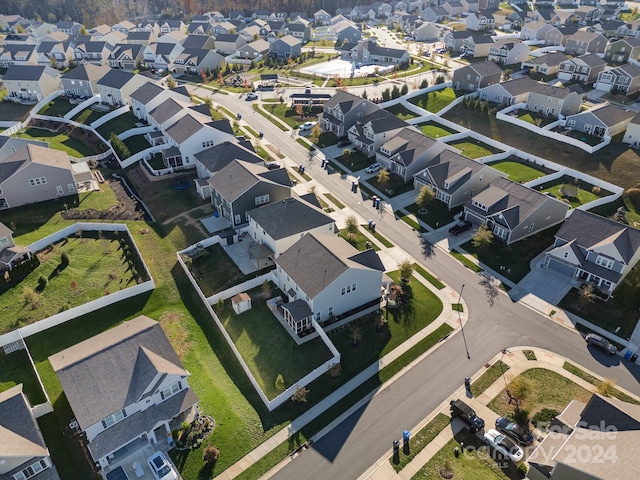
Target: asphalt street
(348, 450)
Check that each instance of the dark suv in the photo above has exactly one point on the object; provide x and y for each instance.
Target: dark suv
(464, 412)
(601, 343)
(457, 229)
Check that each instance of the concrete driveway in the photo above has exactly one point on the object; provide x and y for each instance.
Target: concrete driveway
(545, 283)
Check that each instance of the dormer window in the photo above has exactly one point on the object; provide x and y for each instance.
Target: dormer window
(115, 418)
(604, 262)
(446, 185)
(171, 390)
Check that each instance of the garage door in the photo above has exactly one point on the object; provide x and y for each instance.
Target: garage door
(561, 267)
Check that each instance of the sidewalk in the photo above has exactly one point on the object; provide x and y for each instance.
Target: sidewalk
(518, 363)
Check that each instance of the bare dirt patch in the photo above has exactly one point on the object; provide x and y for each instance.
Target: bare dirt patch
(127, 207)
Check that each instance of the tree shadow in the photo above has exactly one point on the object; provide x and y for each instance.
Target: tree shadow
(428, 250)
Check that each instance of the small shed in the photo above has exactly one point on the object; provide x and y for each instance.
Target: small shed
(241, 303)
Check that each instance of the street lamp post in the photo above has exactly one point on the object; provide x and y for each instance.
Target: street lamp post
(461, 326)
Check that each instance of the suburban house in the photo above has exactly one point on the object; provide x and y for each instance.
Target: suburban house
(23, 452)
(623, 50)
(56, 54)
(513, 211)
(198, 41)
(534, 30)
(30, 82)
(227, 43)
(594, 249)
(324, 276)
(434, 14)
(408, 152)
(17, 55)
(602, 120)
(426, 32)
(477, 45)
(343, 110)
(281, 224)
(96, 52)
(242, 186)
(9, 253)
(624, 79)
(299, 30)
(602, 423)
(126, 57)
(583, 69)
(127, 389)
(510, 92)
(479, 21)
(321, 18)
(454, 39)
(345, 31)
(554, 101)
(508, 52)
(453, 8)
(210, 161)
(82, 81)
(589, 13)
(371, 131)
(161, 55)
(583, 42)
(454, 178)
(254, 50)
(559, 35)
(148, 96)
(632, 135)
(286, 47)
(476, 75)
(193, 61)
(547, 64)
(142, 37)
(117, 86)
(168, 26)
(35, 174)
(370, 51)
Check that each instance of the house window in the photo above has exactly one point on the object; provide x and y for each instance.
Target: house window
(348, 288)
(318, 317)
(604, 262)
(353, 287)
(4, 241)
(330, 311)
(37, 181)
(565, 255)
(32, 469)
(342, 291)
(59, 190)
(115, 418)
(262, 199)
(171, 390)
(501, 232)
(71, 187)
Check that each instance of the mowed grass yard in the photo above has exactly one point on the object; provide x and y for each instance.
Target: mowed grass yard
(215, 271)
(474, 148)
(58, 141)
(435, 101)
(267, 347)
(15, 368)
(57, 107)
(585, 192)
(518, 172)
(435, 130)
(617, 163)
(88, 116)
(289, 115)
(96, 268)
(401, 112)
(120, 124)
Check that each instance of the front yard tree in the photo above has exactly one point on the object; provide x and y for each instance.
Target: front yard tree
(520, 388)
(482, 238)
(300, 110)
(211, 454)
(300, 396)
(316, 131)
(383, 177)
(424, 197)
(404, 90)
(588, 291)
(171, 83)
(351, 225)
(356, 335)
(406, 269)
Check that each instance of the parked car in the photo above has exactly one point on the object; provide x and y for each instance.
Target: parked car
(514, 430)
(465, 413)
(601, 343)
(251, 96)
(161, 467)
(307, 126)
(272, 165)
(502, 444)
(374, 167)
(343, 142)
(457, 229)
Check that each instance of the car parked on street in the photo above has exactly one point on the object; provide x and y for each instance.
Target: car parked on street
(601, 343)
(514, 430)
(307, 126)
(272, 165)
(374, 167)
(251, 96)
(161, 468)
(500, 443)
(459, 409)
(458, 228)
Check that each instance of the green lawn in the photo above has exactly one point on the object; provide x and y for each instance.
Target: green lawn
(88, 116)
(419, 269)
(474, 148)
(57, 108)
(519, 172)
(535, 118)
(437, 215)
(513, 261)
(277, 123)
(609, 210)
(289, 115)
(379, 237)
(409, 220)
(137, 143)
(462, 258)
(435, 101)
(394, 187)
(15, 112)
(401, 112)
(355, 160)
(120, 124)
(97, 267)
(59, 141)
(472, 464)
(358, 240)
(267, 349)
(419, 440)
(569, 367)
(215, 271)
(334, 200)
(490, 375)
(15, 368)
(584, 194)
(435, 130)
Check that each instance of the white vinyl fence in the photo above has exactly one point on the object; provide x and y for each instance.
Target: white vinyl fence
(81, 106)
(110, 116)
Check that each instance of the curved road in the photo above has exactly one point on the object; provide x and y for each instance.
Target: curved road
(353, 446)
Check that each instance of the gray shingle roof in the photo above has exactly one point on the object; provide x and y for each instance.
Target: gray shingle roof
(111, 370)
(238, 177)
(316, 261)
(451, 167)
(217, 157)
(184, 128)
(608, 114)
(19, 430)
(25, 72)
(289, 217)
(116, 78)
(165, 110)
(87, 72)
(147, 92)
(347, 101)
(299, 310)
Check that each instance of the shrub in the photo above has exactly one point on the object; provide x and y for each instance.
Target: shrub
(64, 259)
(211, 454)
(42, 281)
(301, 395)
(522, 469)
(544, 416)
(607, 388)
(634, 195)
(280, 385)
(596, 190)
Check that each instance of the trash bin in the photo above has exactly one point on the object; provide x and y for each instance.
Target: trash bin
(627, 355)
(216, 214)
(634, 357)
(406, 435)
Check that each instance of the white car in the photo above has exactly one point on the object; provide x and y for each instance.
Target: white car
(501, 443)
(374, 167)
(161, 467)
(252, 96)
(307, 126)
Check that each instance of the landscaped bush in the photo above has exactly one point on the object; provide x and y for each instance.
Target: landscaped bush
(64, 260)
(544, 416)
(211, 454)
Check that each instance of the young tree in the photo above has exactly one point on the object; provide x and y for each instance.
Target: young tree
(171, 83)
(300, 110)
(588, 291)
(520, 389)
(383, 177)
(406, 269)
(351, 225)
(211, 454)
(482, 238)
(439, 79)
(356, 335)
(404, 90)
(300, 396)
(316, 131)
(424, 197)
(506, 74)
(395, 92)
(386, 95)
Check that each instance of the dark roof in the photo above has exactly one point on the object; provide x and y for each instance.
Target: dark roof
(299, 310)
(347, 101)
(408, 144)
(25, 72)
(614, 413)
(608, 114)
(184, 128)
(18, 427)
(87, 72)
(166, 110)
(289, 217)
(195, 41)
(219, 156)
(451, 168)
(590, 231)
(224, 126)
(116, 78)
(376, 49)
(111, 370)
(226, 37)
(236, 178)
(147, 92)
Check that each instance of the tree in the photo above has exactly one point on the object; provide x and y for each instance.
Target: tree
(266, 288)
(300, 396)
(520, 388)
(171, 83)
(506, 74)
(364, 94)
(64, 259)
(439, 79)
(119, 146)
(404, 90)
(351, 226)
(203, 75)
(53, 62)
(424, 197)
(482, 238)
(386, 95)
(346, 155)
(383, 177)
(355, 335)
(588, 291)
(395, 92)
(424, 83)
(299, 110)
(316, 131)
(406, 269)
(211, 454)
